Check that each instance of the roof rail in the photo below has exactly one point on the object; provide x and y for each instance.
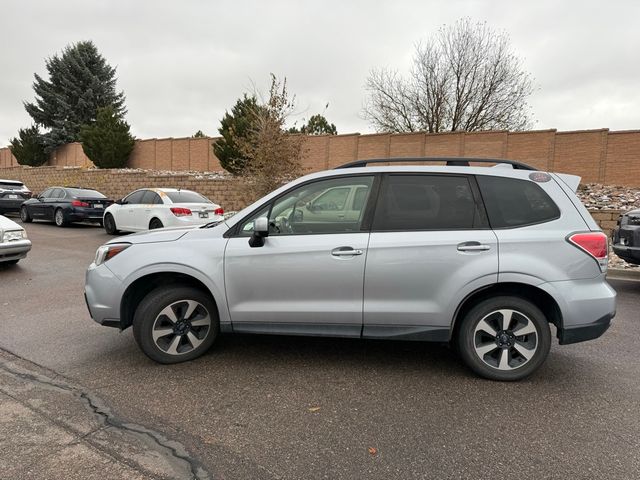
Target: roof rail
(451, 162)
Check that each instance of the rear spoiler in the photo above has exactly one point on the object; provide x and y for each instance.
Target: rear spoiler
(571, 181)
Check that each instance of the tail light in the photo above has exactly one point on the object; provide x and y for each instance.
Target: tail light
(595, 244)
(218, 211)
(180, 211)
(78, 203)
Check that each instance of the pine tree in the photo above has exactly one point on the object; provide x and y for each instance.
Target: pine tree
(80, 82)
(233, 126)
(107, 142)
(28, 147)
(317, 125)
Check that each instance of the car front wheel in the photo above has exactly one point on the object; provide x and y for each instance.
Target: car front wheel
(175, 324)
(110, 224)
(504, 338)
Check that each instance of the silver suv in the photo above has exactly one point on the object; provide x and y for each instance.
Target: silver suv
(484, 258)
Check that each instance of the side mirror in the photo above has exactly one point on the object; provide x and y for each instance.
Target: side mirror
(119, 201)
(260, 231)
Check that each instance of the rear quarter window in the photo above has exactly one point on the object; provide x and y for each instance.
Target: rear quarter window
(512, 202)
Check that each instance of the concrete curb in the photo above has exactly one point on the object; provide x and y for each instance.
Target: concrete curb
(623, 274)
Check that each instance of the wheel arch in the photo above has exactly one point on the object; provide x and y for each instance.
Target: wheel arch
(542, 299)
(141, 286)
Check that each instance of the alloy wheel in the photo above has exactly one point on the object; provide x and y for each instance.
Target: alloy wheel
(181, 327)
(505, 339)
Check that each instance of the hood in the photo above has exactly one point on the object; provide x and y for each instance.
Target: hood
(7, 224)
(634, 212)
(154, 236)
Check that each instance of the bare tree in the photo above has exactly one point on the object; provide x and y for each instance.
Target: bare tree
(463, 78)
(273, 155)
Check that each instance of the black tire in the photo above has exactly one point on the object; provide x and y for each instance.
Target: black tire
(24, 215)
(155, 223)
(149, 318)
(109, 224)
(503, 360)
(10, 262)
(58, 218)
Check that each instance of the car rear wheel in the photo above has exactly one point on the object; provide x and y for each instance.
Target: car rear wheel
(155, 223)
(58, 217)
(175, 324)
(110, 224)
(10, 262)
(24, 215)
(504, 338)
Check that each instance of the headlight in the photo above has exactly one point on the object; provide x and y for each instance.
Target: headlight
(633, 220)
(14, 235)
(107, 252)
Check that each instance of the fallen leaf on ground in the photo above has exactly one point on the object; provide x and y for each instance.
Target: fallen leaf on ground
(314, 409)
(373, 450)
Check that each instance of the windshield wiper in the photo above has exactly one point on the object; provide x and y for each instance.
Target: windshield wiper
(212, 224)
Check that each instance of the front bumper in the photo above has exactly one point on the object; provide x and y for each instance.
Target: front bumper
(102, 293)
(14, 250)
(626, 241)
(628, 254)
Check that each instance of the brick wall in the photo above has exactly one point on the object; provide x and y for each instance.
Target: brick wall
(598, 156)
(227, 192)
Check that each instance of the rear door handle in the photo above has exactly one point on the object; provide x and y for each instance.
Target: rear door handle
(473, 247)
(346, 252)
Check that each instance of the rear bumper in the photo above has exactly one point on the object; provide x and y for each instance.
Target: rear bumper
(79, 214)
(582, 333)
(587, 307)
(12, 205)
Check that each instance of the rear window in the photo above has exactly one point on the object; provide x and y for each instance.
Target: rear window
(186, 196)
(11, 185)
(512, 202)
(81, 192)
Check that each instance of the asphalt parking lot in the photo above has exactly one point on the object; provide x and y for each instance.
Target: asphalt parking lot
(294, 408)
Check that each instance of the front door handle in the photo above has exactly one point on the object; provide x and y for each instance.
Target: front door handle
(473, 247)
(346, 252)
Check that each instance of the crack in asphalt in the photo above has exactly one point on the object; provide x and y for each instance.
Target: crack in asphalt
(99, 410)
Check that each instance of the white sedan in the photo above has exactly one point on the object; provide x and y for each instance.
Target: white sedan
(150, 208)
(14, 243)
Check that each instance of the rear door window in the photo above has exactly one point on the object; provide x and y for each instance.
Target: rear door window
(135, 197)
(427, 202)
(150, 197)
(512, 202)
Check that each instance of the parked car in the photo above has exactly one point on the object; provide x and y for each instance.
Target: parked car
(12, 194)
(484, 258)
(14, 243)
(151, 208)
(626, 237)
(65, 205)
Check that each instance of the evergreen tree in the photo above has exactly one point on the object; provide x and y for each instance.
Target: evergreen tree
(198, 134)
(107, 142)
(317, 125)
(28, 147)
(233, 126)
(80, 82)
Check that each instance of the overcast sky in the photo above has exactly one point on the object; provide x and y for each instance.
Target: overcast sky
(182, 63)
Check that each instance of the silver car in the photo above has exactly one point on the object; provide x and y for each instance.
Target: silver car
(14, 244)
(486, 258)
